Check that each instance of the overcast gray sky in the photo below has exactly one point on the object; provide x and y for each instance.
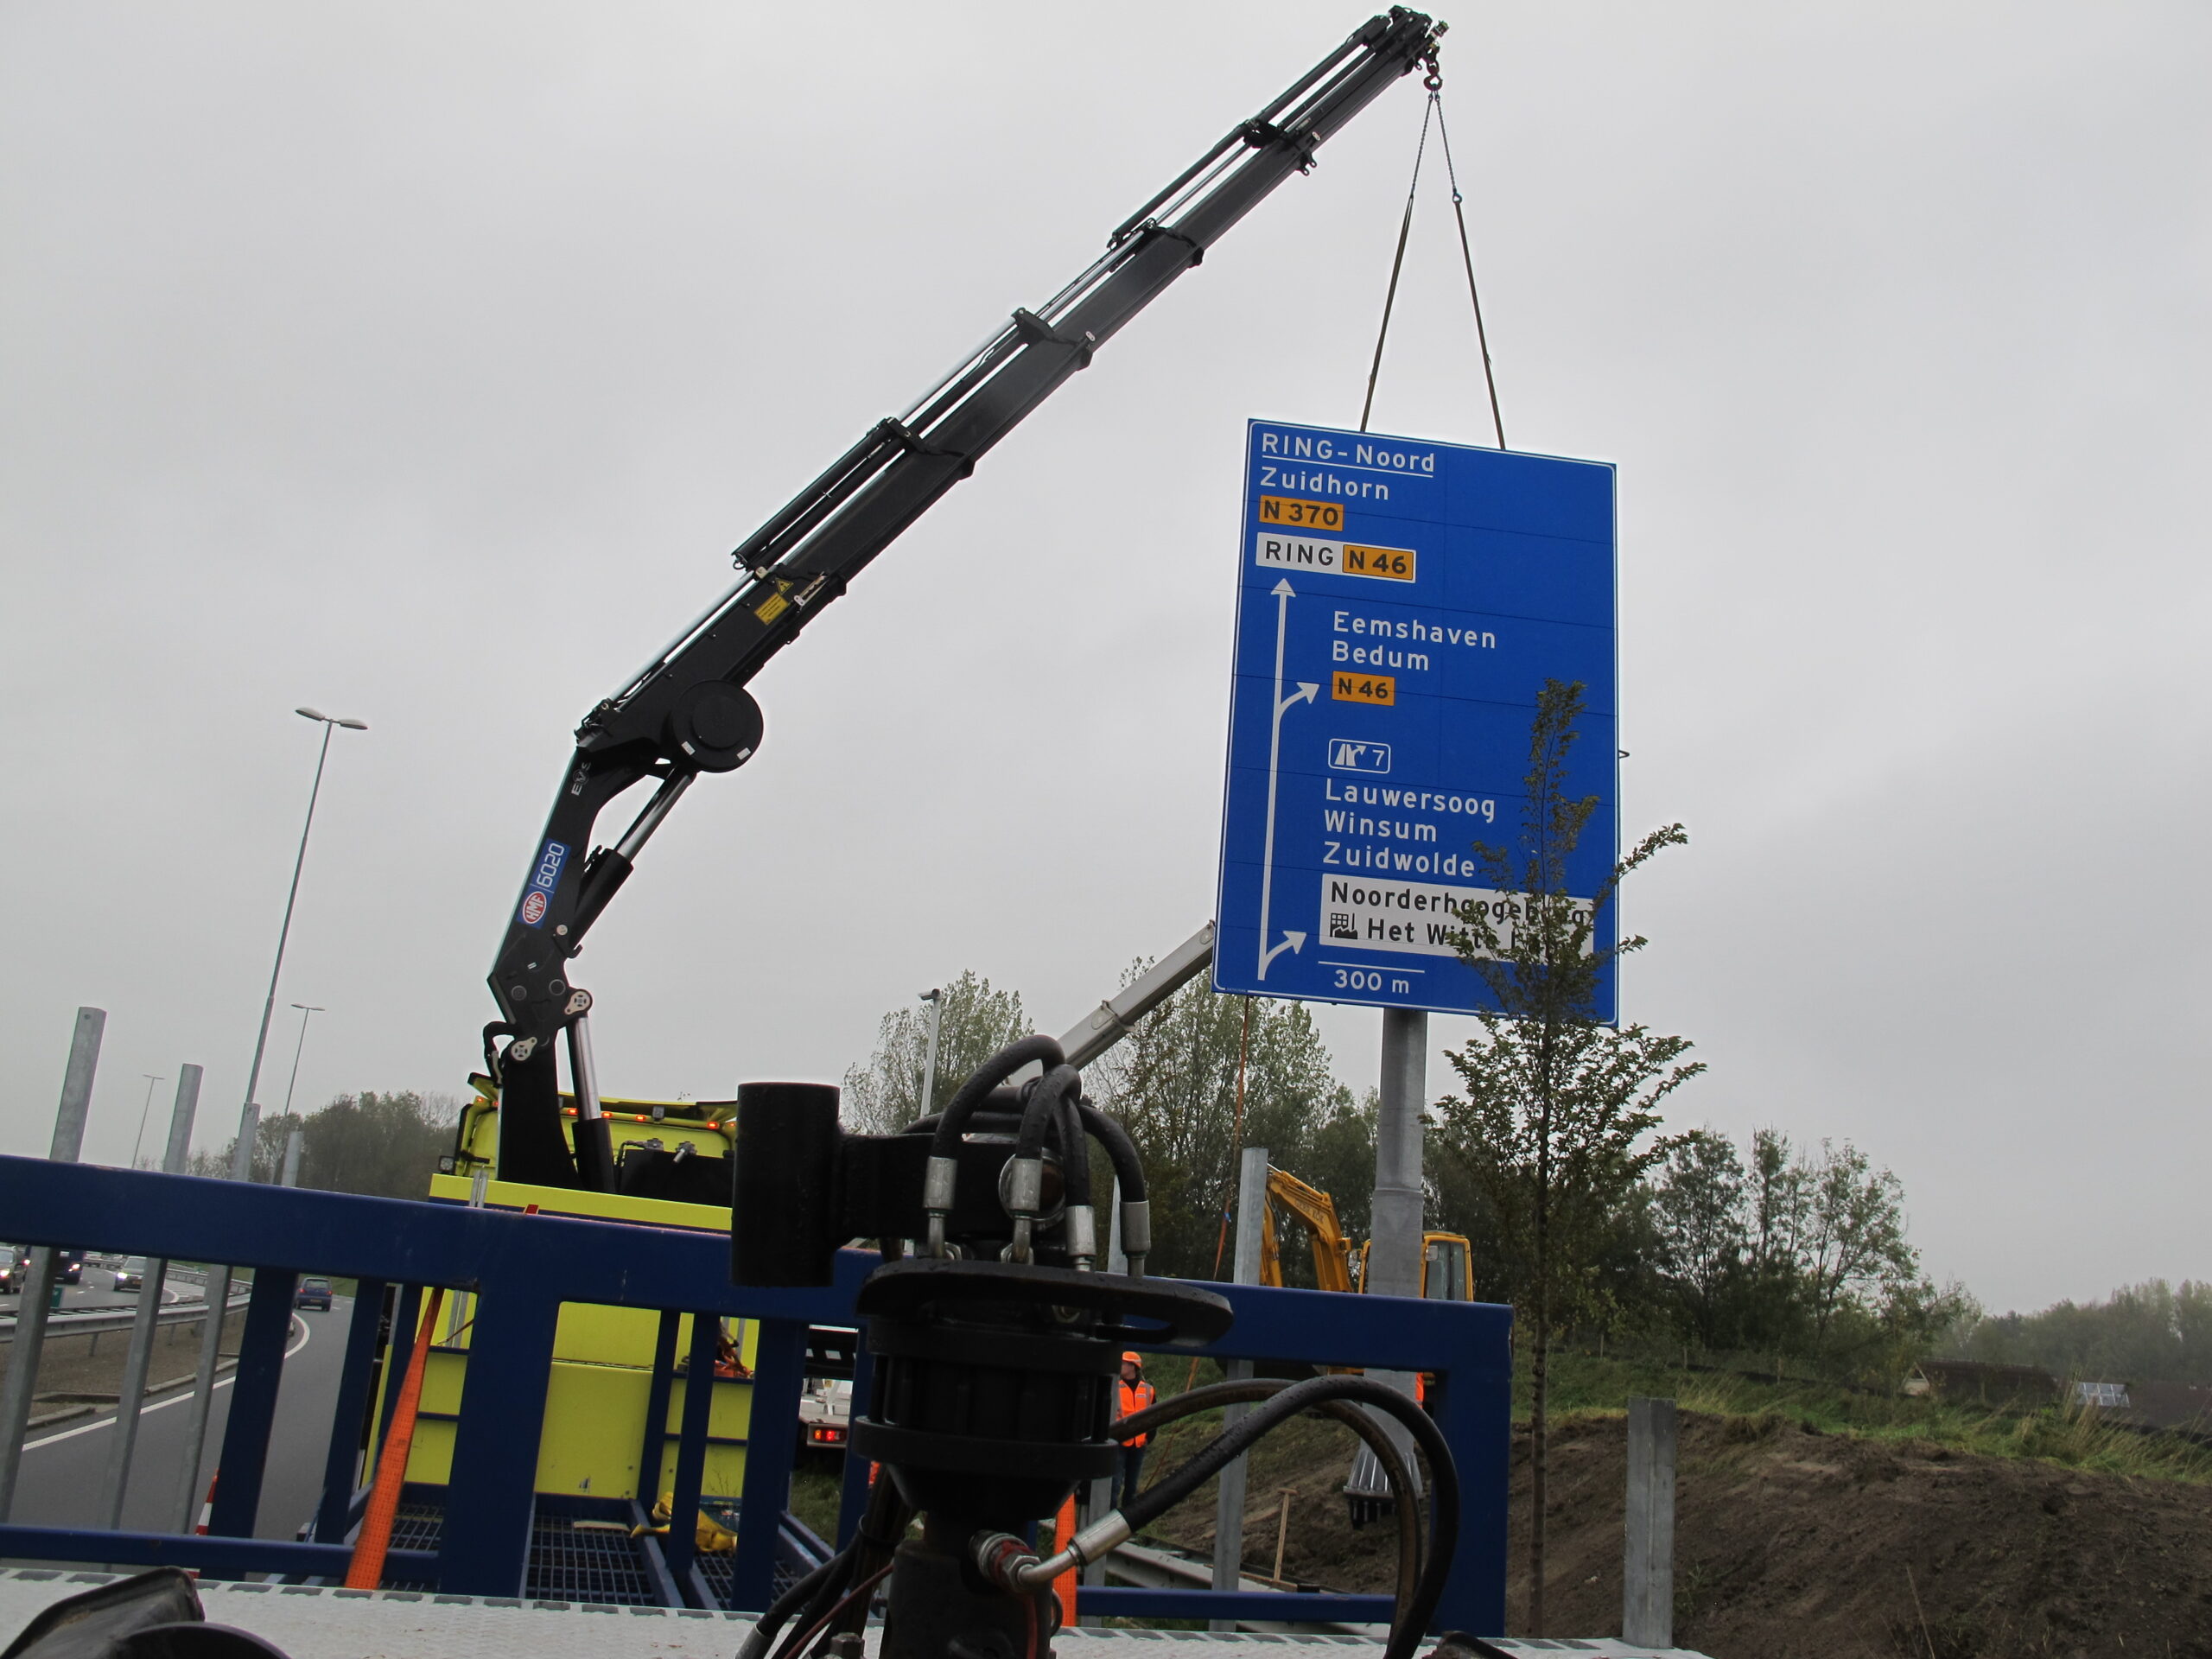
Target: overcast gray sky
(423, 362)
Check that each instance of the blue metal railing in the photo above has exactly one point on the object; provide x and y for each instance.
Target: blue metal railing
(525, 1267)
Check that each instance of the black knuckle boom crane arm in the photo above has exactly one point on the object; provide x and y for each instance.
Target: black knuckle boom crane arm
(687, 711)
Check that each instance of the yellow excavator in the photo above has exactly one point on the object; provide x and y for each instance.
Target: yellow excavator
(1447, 1269)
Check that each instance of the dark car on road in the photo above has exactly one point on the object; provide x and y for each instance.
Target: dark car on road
(313, 1293)
(68, 1267)
(131, 1275)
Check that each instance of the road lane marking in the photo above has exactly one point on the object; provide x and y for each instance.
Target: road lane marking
(175, 1399)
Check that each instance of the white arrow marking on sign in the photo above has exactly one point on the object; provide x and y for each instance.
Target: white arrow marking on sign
(1307, 690)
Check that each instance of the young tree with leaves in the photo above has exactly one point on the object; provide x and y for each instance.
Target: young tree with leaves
(1854, 1244)
(1173, 1083)
(975, 1022)
(1556, 1121)
(1697, 1217)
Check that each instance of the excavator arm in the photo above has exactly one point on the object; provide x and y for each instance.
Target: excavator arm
(1317, 1212)
(687, 710)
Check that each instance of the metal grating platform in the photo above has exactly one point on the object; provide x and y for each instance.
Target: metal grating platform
(583, 1558)
(574, 1559)
(313, 1622)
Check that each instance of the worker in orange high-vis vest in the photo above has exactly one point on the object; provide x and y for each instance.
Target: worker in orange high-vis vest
(1137, 1395)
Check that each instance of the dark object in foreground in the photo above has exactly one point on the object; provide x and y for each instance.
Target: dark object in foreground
(155, 1615)
(996, 1348)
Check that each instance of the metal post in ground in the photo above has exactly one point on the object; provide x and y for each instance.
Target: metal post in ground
(1099, 1497)
(38, 1278)
(187, 1507)
(1393, 1251)
(1393, 1254)
(1648, 1564)
(140, 1358)
(1228, 1501)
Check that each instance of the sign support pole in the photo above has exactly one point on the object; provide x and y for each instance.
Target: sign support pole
(1394, 1257)
(1393, 1254)
(1228, 1501)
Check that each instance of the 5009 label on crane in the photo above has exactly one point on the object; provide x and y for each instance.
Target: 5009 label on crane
(1338, 558)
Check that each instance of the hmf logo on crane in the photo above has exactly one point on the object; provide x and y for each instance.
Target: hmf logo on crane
(543, 883)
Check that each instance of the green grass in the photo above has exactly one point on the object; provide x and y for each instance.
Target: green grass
(1583, 1385)
(818, 1488)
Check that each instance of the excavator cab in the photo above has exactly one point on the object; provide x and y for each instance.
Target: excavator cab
(1447, 1268)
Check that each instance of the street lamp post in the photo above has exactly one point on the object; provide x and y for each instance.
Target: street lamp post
(249, 1117)
(219, 1279)
(297, 1136)
(307, 1013)
(936, 1000)
(150, 1081)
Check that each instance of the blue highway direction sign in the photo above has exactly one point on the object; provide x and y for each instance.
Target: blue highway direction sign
(1400, 603)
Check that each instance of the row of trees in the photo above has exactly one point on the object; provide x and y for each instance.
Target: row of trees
(2150, 1332)
(1200, 1077)
(383, 1146)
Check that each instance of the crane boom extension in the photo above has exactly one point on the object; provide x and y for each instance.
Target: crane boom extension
(687, 710)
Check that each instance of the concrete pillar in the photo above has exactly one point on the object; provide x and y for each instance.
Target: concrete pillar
(1394, 1250)
(38, 1278)
(1229, 1502)
(138, 1361)
(1648, 1564)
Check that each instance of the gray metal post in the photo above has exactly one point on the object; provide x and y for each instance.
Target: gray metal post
(1117, 1259)
(1099, 1496)
(1394, 1254)
(140, 1358)
(1228, 1501)
(1648, 1564)
(38, 1279)
(178, 1153)
(187, 1507)
(936, 1000)
(293, 1142)
(145, 1111)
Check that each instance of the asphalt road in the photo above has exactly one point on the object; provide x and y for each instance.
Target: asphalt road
(64, 1476)
(96, 1293)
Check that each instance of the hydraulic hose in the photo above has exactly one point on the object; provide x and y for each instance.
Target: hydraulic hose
(941, 1175)
(1128, 1171)
(1043, 1108)
(988, 1076)
(1404, 1506)
(1128, 1168)
(756, 1645)
(875, 1541)
(1075, 1150)
(1002, 1558)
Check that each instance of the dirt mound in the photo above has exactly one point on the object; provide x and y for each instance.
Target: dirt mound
(1794, 1542)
